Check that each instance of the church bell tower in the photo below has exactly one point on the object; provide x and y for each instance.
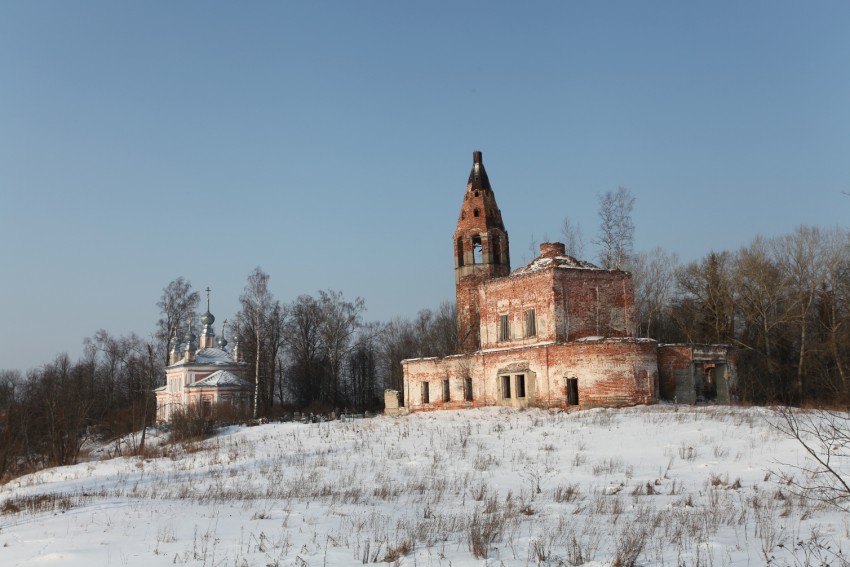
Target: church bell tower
(481, 251)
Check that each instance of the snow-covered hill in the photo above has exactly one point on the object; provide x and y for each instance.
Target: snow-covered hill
(657, 485)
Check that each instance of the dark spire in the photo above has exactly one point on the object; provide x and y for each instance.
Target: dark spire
(478, 180)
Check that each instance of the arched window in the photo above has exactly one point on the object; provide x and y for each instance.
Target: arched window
(475, 213)
(477, 251)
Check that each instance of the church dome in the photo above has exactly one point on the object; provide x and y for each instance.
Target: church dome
(207, 318)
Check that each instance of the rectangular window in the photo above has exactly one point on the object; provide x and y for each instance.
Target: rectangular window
(530, 323)
(506, 387)
(572, 391)
(504, 328)
(446, 393)
(520, 385)
(426, 398)
(467, 389)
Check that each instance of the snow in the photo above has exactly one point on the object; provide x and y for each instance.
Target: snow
(219, 378)
(521, 487)
(564, 262)
(210, 355)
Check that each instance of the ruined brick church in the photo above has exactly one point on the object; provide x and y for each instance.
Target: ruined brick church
(557, 332)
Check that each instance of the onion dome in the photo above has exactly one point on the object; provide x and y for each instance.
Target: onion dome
(190, 338)
(175, 342)
(207, 318)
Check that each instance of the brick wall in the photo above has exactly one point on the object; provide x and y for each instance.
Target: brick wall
(514, 296)
(594, 303)
(672, 358)
(611, 372)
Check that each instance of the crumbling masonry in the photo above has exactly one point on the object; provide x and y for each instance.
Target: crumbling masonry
(555, 333)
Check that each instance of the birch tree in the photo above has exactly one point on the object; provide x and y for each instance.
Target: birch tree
(799, 258)
(616, 228)
(573, 239)
(654, 277)
(177, 300)
(264, 318)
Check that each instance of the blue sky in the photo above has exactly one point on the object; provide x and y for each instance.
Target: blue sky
(330, 142)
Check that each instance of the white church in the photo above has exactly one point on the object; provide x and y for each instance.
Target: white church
(201, 376)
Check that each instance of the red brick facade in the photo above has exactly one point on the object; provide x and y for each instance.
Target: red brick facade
(554, 333)
(608, 372)
(481, 251)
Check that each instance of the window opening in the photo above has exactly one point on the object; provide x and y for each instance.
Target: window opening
(460, 251)
(467, 389)
(446, 392)
(475, 213)
(520, 385)
(506, 387)
(426, 398)
(477, 251)
(504, 328)
(530, 323)
(572, 391)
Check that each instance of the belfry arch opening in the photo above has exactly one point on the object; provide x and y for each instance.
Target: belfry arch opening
(477, 250)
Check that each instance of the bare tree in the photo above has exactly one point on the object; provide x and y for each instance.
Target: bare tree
(303, 345)
(573, 239)
(533, 248)
(825, 436)
(706, 306)
(397, 342)
(11, 435)
(64, 409)
(616, 228)
(834, 303)
(763, 307)
(264, 317)
(801, 261)
(177, 300)
(654, 276)
(363, 380)
(340, 321)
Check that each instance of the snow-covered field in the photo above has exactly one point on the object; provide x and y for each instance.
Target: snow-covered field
(653, 485)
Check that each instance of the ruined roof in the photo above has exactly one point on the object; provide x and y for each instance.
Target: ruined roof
(544, 263)
(478, 179)
(220, 379)
(601, 339)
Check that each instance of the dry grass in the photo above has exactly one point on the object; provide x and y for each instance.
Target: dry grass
(620, 513)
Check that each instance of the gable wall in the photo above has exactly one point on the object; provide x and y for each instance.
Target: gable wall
(513, 296)
(594, 303)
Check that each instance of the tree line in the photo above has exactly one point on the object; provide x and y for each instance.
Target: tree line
(784, 302)
(315, 353)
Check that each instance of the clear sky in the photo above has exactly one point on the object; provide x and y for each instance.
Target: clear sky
(330, 142)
